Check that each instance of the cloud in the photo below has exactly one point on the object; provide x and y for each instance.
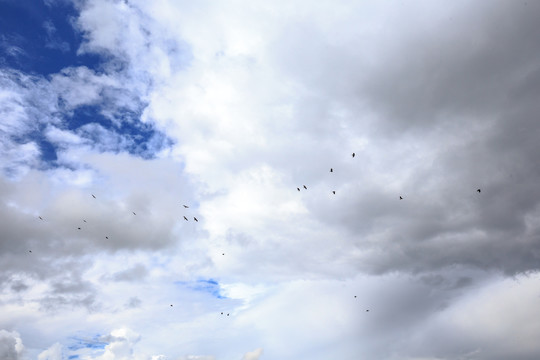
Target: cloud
(229, 107)
(54, 352)
(253, 355)
(135, 273)
(11, 347)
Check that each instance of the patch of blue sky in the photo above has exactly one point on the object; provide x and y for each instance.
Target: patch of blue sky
(123, 133)
(209, 286)
(94, 343)
(40, 39)
(70, 357)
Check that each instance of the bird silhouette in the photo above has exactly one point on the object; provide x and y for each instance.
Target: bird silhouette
(171, 305)
(367, 310)
(223, 254)
(94, 196)
(185, 206)
(331, 170)
(29, 251)
(298, 189)
(79, 228)
(40, 218)
(222, 313)
(227, 314)
(400, 198)
(478, 190)
(355, 296)
(106, 237)
(334, 192)
(84, 220)
(185, 218)
(353, 154)
(134, 213)
(305, 187)
(194, 218)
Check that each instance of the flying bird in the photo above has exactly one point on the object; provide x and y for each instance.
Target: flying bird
(40, 218)
(222, 313)
(478, 190)
(185, 206)
(106, 237)
(353, 154)
(30, 251)
(400, 198)
(305, 187)
(298, 189)
(134, 213)
(223, 254)
(79, 228)
(331, 170)
(367, 310)
(185, 218)
(84, 220)
(334, 192)
(227, 314)
(194, 218)
(94, 196)
(171, 305)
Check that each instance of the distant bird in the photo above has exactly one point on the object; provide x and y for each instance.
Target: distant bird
(355, 296)
(331, 170)
(298, 189)
(79, 228)
(185, 206)
(223, 254)
(134, 213)
(222, 313)
(353, 154)
(478, 190)
(185, 218)
(84, 220)
(333, 191)
(400, 198)
(94, 196)
(367, 310)
(194, 218)
(305, 187)
(40, 218)
(227, 314)
(30, 251)
(106, 237)
(171, 305)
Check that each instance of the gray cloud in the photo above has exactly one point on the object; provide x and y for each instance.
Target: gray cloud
(11, 347)
(136, 273)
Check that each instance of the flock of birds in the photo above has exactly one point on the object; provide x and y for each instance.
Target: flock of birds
(334, 192)
(196, 220)
(134, 213)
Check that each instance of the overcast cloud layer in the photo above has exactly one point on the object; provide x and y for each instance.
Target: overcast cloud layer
(229, 108)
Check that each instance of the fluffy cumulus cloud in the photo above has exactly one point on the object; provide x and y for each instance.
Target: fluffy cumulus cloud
(319, 180)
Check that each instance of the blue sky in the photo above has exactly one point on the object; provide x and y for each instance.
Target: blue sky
(41, 39)
(151, 152)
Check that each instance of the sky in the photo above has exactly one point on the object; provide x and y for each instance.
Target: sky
(115, 114)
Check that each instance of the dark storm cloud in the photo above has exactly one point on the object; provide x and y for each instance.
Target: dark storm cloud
(463, 91)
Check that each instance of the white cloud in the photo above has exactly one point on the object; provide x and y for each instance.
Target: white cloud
(54, 352)
(253, 355)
